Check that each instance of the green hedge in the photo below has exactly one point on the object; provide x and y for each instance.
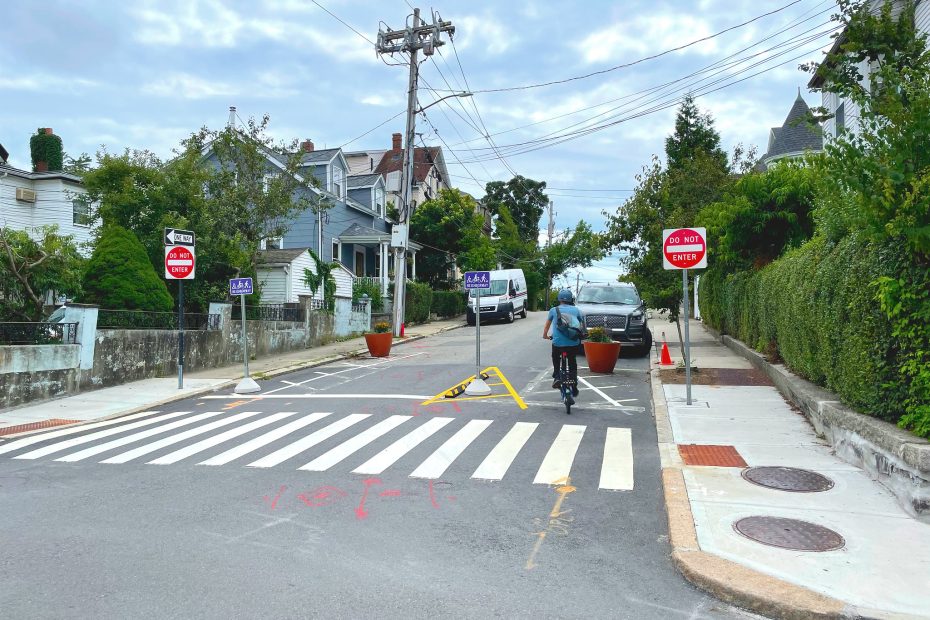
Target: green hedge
(419, 300)
(448, 303)
(817, 310)
(373, 290)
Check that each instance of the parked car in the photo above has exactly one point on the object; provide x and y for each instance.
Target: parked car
(619, 309)
(506, 298)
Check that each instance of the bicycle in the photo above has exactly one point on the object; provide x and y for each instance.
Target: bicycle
(565, 384)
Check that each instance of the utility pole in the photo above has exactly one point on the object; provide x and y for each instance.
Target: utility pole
(415, 37)
(551, 231)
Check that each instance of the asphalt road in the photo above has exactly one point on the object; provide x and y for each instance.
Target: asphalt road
(339, 494)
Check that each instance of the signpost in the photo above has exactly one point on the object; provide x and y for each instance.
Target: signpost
(180, 265)
(685, 248)
(243, 287)
(478, 281)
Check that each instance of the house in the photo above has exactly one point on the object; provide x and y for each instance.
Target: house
(794, 138)
(843, 114)
(30, 200)
(280, 276)
(364, 162)
(429, 172)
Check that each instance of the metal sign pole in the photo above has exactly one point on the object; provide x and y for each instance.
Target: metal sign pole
(478, 387)
(180, 334)
(243, 287)
(684, 284)
(245, 338)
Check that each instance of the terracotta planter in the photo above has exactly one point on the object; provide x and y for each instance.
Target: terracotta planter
(601, 356)
(379, 345)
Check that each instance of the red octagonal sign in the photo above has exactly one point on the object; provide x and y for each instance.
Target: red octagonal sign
(179, 263)
(684, 248)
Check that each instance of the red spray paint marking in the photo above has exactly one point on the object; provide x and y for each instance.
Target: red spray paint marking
(360, 512)
(458, 409)
(390, 493)
(322, 496)
(274, 502)
(432, 495)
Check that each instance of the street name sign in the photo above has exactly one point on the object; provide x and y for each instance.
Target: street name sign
(684, 248)
(240, 286)
(179, 262)
(176, 236)
(477, 279)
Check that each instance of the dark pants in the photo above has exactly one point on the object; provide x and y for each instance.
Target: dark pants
(572, 362)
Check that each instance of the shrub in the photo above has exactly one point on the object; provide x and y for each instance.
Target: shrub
(372, 289)
(119, 276)
(598, 334)
(448, 303)
(419, 299)
(382, 327)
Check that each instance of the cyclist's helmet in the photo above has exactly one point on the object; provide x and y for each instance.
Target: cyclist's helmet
(565, 295)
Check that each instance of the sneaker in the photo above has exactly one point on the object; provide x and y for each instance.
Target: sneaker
(556, 385)
(574, 390)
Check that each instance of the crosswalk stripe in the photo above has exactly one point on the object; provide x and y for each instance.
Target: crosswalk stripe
(291, 450)
(390, 455)
(439, 461)
(173, 439)
(498, 461)
(617, 464)
(33, 439)
(263, 440)
(349, 447)
(69, 443)
(122, 441)
(557, 464)
(209, 442)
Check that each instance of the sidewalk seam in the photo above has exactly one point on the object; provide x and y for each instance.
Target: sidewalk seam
(724, 579)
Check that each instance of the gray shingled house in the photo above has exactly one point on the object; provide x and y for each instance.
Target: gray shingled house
(794, 138)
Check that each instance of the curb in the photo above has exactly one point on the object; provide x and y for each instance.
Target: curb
(724, 579)
(232, 382)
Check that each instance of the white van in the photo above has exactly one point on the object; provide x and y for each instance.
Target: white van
(505, 300)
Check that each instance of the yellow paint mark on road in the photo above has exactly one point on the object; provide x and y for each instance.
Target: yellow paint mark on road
(238, 403)
(509, 387)
(557, 521)
(459, 388)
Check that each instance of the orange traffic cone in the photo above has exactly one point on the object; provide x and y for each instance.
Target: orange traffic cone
(666, 358)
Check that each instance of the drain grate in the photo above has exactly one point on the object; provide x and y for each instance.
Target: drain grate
(711, 456)
(34, 426)
(789, 479)
(789, 534)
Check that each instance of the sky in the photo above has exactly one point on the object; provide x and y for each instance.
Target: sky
(146, 74)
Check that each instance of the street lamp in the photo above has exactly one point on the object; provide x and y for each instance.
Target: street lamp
(462, 94)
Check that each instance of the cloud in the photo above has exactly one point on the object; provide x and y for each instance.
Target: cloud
(187, 86)
(483, 32)
(46, 83)
(646, 34)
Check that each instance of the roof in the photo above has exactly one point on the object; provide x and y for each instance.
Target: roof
(362, 180)
(321, 156)
(424, 158)
(279, 256)
(39, 176)
(796, 134)
(4, 154)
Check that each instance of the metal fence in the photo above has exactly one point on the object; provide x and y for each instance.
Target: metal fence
(38, 333)
(141, 319)
(269, 312)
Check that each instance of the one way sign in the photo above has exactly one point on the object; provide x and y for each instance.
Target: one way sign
(176, 236)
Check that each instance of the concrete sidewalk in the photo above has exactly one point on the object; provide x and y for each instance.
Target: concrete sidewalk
(880, 564)
(153, 393)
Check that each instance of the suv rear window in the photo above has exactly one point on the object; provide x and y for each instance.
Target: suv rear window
(608, 295)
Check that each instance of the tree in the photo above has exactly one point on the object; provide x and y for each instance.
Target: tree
(524, 198)
(322, 275)
(574, 248)
(119, 276)
(32, 267)
(512, 250)
(694, 134)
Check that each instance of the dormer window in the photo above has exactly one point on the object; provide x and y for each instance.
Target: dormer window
(379, 201)
(338, 184)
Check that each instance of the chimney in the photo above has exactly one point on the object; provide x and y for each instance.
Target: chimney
(397, 142)
(231, 123)
(307, 146)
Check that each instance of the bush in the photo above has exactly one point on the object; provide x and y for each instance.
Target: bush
(372, 289)
(119, 276)
(448, 303)
(418, 302)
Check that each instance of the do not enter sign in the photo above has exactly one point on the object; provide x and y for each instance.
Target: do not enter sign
(179, 262)
(684, 248)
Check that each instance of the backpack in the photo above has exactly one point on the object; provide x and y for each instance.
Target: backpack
(569, 325)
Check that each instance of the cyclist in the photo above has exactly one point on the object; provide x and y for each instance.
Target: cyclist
(563, 341)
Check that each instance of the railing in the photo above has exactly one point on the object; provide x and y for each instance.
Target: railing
(142, 319)
(269, 312)
(38, 333)
(368, 280)
(359, 307)
(317, 304)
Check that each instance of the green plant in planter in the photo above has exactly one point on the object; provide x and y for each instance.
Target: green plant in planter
(598, 334)
(382, 328)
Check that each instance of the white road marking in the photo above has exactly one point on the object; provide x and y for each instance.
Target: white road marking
(437, 463)
(338, 372)
(617, 464)
(263, 440)
(173, 439)
(557, 465)
(419, 397)
(390, 455)
(71, 430)
(64, 445)
(305, 443)
(122, 441)
(598, 392)
(498, 461)
(209, 442)
(353, 445)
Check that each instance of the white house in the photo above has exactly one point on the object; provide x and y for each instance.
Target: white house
(281, 276)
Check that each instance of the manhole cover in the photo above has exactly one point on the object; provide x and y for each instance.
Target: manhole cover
(788, 479)
(789, 534)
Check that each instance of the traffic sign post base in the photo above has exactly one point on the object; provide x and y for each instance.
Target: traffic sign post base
(247, 386)
(478, 388)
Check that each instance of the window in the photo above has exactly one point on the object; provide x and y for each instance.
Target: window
(379, 201)
(378, 262)
(336, 250)
(80, 212)
(266, 182)
(841, 117)
(337, 182)
(273, 243)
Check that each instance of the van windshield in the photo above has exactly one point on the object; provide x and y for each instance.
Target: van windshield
(498, 287)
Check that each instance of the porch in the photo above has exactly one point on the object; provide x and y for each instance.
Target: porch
(367, 253)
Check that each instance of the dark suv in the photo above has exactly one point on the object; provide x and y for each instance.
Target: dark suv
(618, 309)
